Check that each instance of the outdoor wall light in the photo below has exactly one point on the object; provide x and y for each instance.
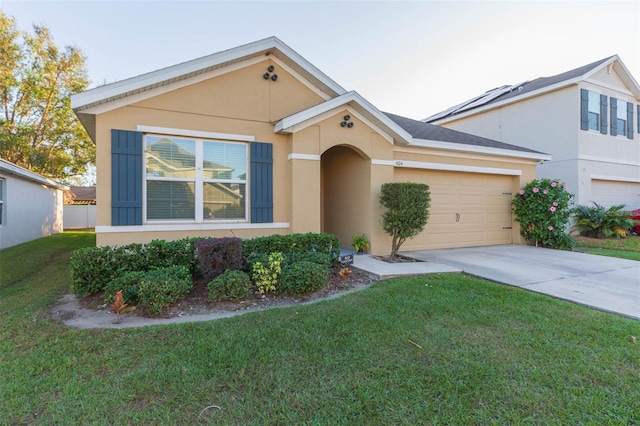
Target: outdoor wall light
(347, 117)
(343, 124)
(274, 77)
(271, 68)
(266, 76)
(350, 125)
(346, 122)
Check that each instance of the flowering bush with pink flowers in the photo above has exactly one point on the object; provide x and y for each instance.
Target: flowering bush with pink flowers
(543, 209)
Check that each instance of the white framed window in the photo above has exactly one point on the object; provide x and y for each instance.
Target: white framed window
(594, 111)
(2, 197)
(194, 179)
(621, 117)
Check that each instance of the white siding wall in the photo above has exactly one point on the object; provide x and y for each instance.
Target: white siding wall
(31, 211)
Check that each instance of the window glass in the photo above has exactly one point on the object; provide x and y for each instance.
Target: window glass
(622, 117)
(224, 200)
(224, 160)
(170, 157)
(195, 179)
(594, 111)
(170, 200)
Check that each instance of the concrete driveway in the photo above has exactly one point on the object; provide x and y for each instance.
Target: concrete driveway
(605, 283)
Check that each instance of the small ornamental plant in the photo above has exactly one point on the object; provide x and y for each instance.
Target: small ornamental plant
(543, 209)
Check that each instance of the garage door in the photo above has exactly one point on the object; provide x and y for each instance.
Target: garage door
(467, 209)
(608, 193)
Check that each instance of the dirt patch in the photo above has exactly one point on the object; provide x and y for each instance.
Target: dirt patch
(93, 312)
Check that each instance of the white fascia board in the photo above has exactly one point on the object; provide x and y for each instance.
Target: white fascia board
(287, 124)
(189, 227)
(158, 77)
(194, 133)
(623, 73)
(12, 169)
(447, 167)
(616, 178)
(297, 156)
(500, 104)
(450, 146)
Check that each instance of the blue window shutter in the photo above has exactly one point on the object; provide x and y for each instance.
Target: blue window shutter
(261, 159)
(603, 114)
(614, 116)
(126, 178)
(638, 118)
(584, 109)
(629, 120)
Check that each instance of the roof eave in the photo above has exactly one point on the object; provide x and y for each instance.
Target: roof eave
(83, 101)
(476, 149)
(287, 124)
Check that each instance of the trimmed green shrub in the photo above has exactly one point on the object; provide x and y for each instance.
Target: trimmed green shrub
(542, 208)
(94, 267)
(162, 254)
(216, 255)
(230, 285)
(598, 222)
(303, 277)
(290, 243)
(310, 256)
(129, 283)
(91, 269)
(407, 205)
(159, 288)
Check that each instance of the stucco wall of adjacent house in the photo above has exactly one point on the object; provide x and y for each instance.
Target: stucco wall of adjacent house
(603, 156)
(31, 210)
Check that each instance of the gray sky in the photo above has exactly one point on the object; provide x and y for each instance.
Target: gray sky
(409, 58)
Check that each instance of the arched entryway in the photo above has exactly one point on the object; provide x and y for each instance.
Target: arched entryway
(346, 193)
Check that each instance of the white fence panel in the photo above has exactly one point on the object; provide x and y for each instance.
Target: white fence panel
(79, 216)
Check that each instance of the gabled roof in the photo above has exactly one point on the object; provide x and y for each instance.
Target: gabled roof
(83, 193)
(84, 104)
(12, 169)
(355, 101)
(431, 135)
(513, 93)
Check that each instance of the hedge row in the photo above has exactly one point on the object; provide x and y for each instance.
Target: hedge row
(154, 275)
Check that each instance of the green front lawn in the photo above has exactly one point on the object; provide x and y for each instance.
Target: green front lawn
(625, 248)
(442, 349)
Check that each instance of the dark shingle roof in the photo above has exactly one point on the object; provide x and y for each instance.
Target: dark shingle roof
(503, 93)
(83, 193)
(420, 130)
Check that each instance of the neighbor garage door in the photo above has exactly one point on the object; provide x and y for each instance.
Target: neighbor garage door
(467, 209)
(608, 193)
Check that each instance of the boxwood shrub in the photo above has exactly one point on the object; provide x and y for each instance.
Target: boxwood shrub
(230, 285)
(289, 244)
(129, 283)
(302, 277)
(161, 287)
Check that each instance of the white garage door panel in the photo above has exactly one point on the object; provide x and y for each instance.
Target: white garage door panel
(467, 209)
(609, 193)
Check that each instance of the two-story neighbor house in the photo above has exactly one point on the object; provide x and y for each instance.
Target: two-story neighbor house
(256, 140)
(588, 119)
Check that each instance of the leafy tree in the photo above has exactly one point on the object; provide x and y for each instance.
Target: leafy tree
(407, 212)
(38, 129)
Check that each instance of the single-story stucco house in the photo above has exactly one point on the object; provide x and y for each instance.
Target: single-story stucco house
(256, 140)
(30, 205)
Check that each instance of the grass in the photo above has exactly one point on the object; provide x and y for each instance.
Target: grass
(625, 248)
(441, 349)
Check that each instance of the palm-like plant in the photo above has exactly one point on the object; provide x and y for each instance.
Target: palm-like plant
(598, 222)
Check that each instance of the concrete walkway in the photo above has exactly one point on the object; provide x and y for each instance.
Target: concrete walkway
(601, 282)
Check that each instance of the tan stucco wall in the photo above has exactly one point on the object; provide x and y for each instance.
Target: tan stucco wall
(326, 177)
(241, 102)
